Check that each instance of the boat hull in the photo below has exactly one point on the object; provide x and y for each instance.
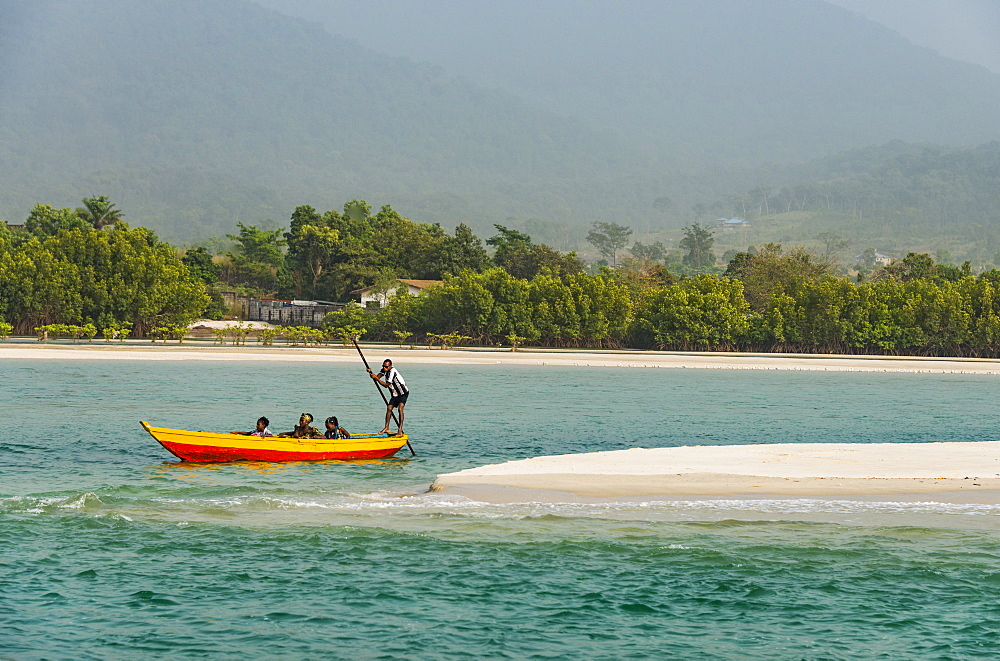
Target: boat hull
(196, 446)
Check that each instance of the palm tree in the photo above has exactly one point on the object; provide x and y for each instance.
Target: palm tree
(99, 212)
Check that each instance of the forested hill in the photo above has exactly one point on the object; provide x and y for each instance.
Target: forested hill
(900, 197)
(193, 114)
(935, 189)
(744, 81)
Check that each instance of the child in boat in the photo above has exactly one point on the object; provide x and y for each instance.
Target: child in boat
(303, 429)
(261, 430)
(334, 430)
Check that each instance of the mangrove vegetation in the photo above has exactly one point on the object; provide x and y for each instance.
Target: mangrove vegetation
(85, 273)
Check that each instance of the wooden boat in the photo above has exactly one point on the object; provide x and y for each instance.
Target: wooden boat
(218, 446)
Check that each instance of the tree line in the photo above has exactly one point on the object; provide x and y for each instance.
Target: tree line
(87, 267)
(89, 272)
(792, 306)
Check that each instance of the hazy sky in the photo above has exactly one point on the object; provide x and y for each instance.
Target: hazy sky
(966, 30)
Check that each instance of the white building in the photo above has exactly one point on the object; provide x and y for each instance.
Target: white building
(377, 296)
(880, 259)
(731, 223)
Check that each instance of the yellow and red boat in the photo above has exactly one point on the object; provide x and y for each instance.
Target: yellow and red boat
(217, 446)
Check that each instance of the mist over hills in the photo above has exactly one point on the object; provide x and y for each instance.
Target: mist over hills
(194, 115)
(264, 108)
(708, 81)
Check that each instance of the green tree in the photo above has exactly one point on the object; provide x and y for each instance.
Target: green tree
(641, 276)
(37, 288)
(984, 303)
(304, 215)
(507, 241)
(604, 307)
(312, 248)
(555, 313)
(701, 312)
(401, 311)
(827, 314)
(609, 238)
(372, 248)
(777, 328)
(922, 267)
(257, 245)
(45, 219)
(542, 259)
(259, 261)
(84, 276)
(202, 265)
(350, 319)
(771, 270)
(698, 242)
(99, 212)
(462, 251)
(521, 258)
(652, 252)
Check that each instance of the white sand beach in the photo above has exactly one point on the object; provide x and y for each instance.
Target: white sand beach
(801, 469)
(205, 350)
(970, 470)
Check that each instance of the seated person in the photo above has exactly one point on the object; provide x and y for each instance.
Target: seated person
(303, 429)
(261, 429)
(334, 430)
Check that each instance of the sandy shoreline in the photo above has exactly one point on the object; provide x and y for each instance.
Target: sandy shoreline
(968, 472)
(544, 357)
(965, 472)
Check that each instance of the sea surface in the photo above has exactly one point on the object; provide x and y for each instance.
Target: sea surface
(110, 548)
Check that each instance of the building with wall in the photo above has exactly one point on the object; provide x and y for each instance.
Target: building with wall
(280, 312)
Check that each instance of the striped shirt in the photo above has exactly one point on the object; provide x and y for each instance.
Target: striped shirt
(397, 386)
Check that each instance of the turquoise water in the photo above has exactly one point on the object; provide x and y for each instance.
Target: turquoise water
(111, 548)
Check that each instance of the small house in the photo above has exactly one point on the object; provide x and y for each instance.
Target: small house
(880, 259)
(377, 296)
(725, 224)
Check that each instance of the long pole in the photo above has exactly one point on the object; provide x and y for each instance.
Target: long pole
(379, 388)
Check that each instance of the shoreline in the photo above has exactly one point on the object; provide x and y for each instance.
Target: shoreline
(969, 472)
(475, 356)
(958, 472)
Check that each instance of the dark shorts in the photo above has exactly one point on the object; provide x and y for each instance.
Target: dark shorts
(398, 399)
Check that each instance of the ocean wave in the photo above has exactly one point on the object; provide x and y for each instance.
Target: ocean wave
(455, 505)
(313, 507)
(42, 504)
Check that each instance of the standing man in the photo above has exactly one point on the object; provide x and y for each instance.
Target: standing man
(397, 389)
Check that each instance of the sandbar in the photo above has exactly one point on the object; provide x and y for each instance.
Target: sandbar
(958, 472)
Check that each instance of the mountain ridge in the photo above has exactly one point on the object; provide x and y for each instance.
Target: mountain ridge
(193, 116)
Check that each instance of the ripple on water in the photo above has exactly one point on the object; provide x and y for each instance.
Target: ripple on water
(111, 549)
